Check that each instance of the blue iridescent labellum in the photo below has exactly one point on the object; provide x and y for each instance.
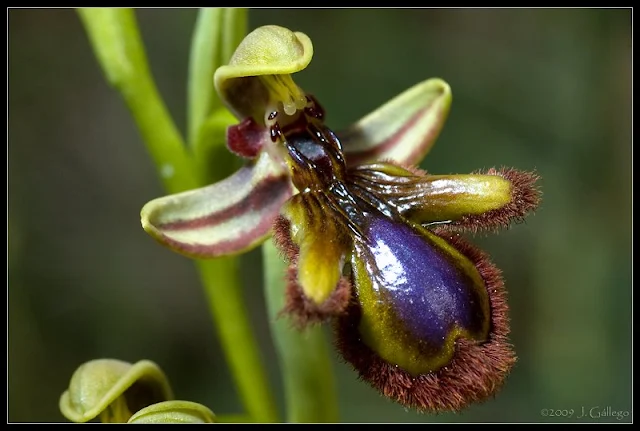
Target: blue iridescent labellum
(475, 371)
(418, 295)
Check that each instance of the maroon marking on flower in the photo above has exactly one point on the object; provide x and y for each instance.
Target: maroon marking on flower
(262, 196)
(246, 138)
(220, 248)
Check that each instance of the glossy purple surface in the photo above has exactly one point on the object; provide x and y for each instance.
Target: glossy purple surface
(424, 284)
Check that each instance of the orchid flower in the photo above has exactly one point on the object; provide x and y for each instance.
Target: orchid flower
(373, 242)
(115, 391)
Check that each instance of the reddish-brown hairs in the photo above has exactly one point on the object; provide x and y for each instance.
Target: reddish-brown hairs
(301, 309)
(282, 239)
(525, 197)
(304, 311)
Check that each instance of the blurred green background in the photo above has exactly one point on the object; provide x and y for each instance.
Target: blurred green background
(539, 89)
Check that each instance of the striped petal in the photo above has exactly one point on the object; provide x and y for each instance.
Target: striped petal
(402, 130)
(227, 217)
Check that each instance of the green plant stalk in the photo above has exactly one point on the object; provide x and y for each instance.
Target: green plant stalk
(221, 281)
(234, 419)
(203, 58)
(217, 33)
(213, 159)
(234, 29)
(309, 383)
(116, 41)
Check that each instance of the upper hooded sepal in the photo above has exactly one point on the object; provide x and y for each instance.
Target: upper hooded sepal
(267, 51)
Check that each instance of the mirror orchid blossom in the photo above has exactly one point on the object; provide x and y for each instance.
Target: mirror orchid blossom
(373, 242)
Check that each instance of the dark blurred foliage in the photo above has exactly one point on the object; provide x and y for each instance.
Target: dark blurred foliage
(543, 89)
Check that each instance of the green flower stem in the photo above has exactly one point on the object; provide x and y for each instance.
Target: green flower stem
(234, 29)
(205, 55)
(116, 41)
(234, 419)
(221, 281)
(309, 383)
(217, 33)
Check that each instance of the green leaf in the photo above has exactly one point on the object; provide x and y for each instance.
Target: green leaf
(115, 41)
